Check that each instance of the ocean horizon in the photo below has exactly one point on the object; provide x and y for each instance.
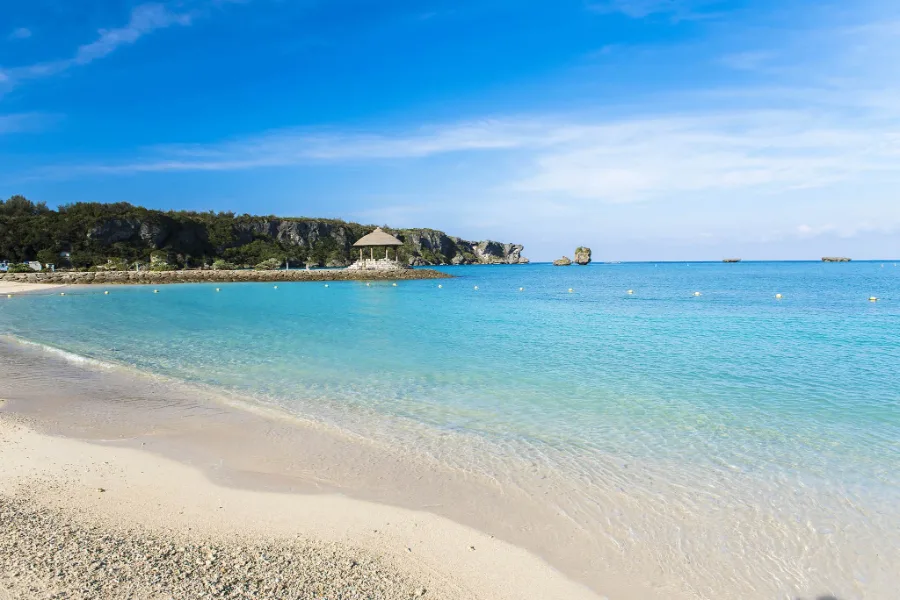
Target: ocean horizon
(738, 423)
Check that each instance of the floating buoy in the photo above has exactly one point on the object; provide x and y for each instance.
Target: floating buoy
(394, 284)
(326, 285)
(9, 295)
(571, 290)
(629, 292)
(440, 286)
(697, 294)
(778, 296)
(873, 299)
(155, 291)
(521, 289)
(276, 287)
(62, 293)
(476, 287)
(368, 285)
(106, 293)
(217, 289)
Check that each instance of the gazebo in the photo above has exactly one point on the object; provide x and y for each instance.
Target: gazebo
(377, 239)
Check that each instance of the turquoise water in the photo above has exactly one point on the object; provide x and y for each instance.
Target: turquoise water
(775, 395)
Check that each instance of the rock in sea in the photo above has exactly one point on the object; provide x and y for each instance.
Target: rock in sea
(562, 262)
(582, 255)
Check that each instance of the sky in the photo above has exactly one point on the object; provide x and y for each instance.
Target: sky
(645, 129)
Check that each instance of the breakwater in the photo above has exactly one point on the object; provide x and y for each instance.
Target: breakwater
(197, 276)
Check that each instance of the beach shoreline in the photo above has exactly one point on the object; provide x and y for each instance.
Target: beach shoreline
(17, 287)
(127, 492)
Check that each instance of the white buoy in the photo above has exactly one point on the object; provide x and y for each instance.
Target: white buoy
(394, 284)
(778, 296)
(62, 293)
(9, 295)
(217, 289)
(440, 286)
(368, 284)
(326, 285)
(521, 289)
(476, 288)
(571, 291)
(697, 294)
(106, 293)
(873, 299)
(155, 291)
(630, 292)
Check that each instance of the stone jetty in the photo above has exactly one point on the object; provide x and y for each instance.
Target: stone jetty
(211, 276)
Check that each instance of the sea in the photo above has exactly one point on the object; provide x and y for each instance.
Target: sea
(690, 413)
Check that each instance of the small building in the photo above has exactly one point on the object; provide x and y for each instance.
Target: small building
(377, 239)
(4, 266)
(34, 265)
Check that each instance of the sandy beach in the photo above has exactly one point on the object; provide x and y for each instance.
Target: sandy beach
(16, 287)
(123, 522)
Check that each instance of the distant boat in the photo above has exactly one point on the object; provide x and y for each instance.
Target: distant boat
(731, 260)
(835, 259)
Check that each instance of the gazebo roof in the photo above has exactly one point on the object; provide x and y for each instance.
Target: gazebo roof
(378, 238)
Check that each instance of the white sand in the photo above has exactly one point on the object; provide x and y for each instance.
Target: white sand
(15, 287)
(148, 491)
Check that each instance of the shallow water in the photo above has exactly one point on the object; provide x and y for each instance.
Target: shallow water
(734, 444)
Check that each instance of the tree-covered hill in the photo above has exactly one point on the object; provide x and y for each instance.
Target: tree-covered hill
(94, 234)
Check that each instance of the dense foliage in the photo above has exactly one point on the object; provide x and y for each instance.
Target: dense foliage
(112, 235)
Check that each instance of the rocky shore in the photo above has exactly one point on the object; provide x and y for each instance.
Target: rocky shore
(197, 276)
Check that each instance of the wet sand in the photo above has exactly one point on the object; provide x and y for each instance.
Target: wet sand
(16, 287)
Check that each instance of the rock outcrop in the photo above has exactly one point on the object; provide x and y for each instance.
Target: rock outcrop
(565, 261)
(835, 259)
(582, 255)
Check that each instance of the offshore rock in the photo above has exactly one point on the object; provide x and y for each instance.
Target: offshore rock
(562, 262)
(582, 255)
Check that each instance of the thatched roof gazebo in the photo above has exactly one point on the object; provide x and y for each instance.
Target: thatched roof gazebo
(377, 239)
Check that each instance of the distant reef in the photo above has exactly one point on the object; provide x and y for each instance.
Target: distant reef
(94, 235)
(835, 259)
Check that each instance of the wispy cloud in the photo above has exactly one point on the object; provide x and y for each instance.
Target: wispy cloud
(639, 9)
(746, 61)
(26, 122)
(144, 19)
(21, 33)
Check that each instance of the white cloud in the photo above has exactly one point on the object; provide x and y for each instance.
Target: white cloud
(21, 33)
(144, 19)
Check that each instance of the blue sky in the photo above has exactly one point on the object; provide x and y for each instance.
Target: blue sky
(646, 129)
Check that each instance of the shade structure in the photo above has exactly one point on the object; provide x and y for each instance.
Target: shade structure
(377, 238)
